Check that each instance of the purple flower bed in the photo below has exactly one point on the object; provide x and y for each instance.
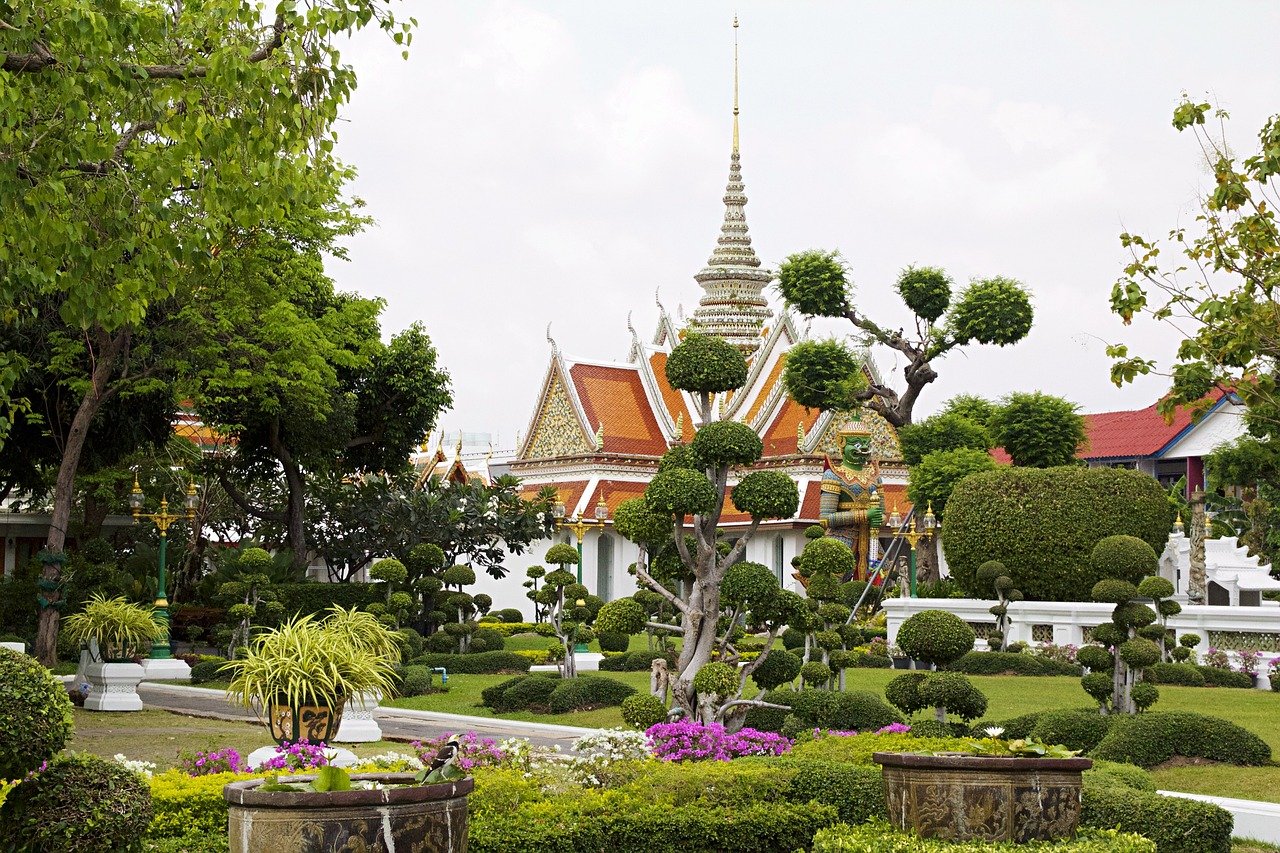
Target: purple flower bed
(218, 761)
(300, 755)
(687, 741)
(474, 751)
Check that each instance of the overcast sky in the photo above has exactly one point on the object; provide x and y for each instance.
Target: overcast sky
(558, 162)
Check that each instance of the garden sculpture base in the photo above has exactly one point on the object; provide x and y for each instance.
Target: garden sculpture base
(358, 724)
(20, 648)
(971, 797)
(413, 818)
(113, 687)
(165, 669)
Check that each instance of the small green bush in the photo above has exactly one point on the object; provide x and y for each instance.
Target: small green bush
(614, 642)
(416, 681)
(779, 668)
(208, 670)
(857, 749)
(586, 692)
(79, 804)
(509, 615)
(486, 640)
(642, 710)
(879, 837)
(857, 793)
(36, 712)
(856, 710)
(815, 672)
(1014, 727)
(1082, 730)
(1217, 677)
(482, 663)
(1174, 824)
(1150, 739)
(635, 661)
(491, 696)
(716, 679)
(532, 691)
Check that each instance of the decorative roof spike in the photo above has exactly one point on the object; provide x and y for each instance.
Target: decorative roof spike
(800, 438)
(600, 437)
(733, 306)
(554, 349)
(680, 427)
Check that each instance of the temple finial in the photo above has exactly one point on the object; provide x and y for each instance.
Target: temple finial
(735, 84)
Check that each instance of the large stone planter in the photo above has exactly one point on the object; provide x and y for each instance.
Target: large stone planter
(113, 687)
(412, 819)
(963, 797)
(358, 724)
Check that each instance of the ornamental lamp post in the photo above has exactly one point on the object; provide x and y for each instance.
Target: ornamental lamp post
(929, 525)
(162, 650)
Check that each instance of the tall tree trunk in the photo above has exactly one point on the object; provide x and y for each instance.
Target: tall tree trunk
(95, 516)
(64, 492)
(295, 512)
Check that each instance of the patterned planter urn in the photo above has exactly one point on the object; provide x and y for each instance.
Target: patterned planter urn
(409, 819)
(113, 687)
(974, 797)
(314, 723)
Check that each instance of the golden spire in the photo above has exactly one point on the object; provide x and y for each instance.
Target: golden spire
(735, 84)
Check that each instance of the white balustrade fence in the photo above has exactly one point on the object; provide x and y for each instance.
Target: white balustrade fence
(1062, 623)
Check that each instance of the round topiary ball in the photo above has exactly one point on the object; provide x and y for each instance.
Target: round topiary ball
(1133, 614)
(613, 642)
(1139, 652)
(36, 711)
(1095, 658)
(424, 557)
(727, 443)
(623, 616)
(954, 692)
(80, 804)
(992, 311)
(718, 679)
(827, 555)
(767, 494)
(680, 491)
(926, 291)
(1114, 590)
(815, 283)
(988, 572)
(706, 364)
(1098, 685)
(1189, 640)
(1155, 587)
(389, 570)
(815, 531)
(936, 637)
(1125, 557)
(465, 576)
(1109, 634)
(815, 672)
(1144, 695)
(779, 667)
(642, 710)
(747, 583)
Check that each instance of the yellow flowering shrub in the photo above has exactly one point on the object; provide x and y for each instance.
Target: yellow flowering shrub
(190, 805)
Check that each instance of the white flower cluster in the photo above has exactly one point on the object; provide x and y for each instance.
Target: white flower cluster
(393, 761)
(615, 745)
(142, 768)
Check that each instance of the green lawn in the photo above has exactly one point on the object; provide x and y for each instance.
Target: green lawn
(162, 736)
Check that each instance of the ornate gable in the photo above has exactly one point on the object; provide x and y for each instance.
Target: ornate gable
(884, 439)
(557, 429)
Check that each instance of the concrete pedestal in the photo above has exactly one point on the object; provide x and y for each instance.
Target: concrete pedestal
(20, 648)
(165, 669)
(587, 662)
(113, 687)
(358, 724)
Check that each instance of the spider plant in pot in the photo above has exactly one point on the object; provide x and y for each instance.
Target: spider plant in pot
(300, 675)
(120, 630)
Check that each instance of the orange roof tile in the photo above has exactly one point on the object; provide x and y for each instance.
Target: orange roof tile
(615, 492)
(780, 438)
(569, 493)
(671, 398)
(614, 397)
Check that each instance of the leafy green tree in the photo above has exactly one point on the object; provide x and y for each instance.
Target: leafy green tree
(933, 479)
(1038, 430)
(152, 138)
(989, 311)
(943, 431)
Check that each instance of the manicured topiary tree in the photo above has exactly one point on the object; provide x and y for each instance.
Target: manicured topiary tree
(1160, 591)
(1122, 645)
(37, 714)
(937, 638)
(80, 802)
(1043, 523)
(995, 577)
(693, 481)
(566, 610)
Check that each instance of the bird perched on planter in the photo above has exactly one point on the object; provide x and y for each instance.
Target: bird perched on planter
(444, 766)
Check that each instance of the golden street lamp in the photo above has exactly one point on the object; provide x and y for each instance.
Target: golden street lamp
(929, 525)
(162, 650)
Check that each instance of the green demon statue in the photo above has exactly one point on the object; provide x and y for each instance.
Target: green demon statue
(852, 504)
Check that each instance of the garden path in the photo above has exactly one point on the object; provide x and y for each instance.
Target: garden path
(397, 724)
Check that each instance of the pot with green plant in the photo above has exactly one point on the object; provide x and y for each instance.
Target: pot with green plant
(299, 676)
(116, 633)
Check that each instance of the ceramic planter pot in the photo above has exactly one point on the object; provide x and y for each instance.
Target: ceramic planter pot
(972, 797)
(419, 818)
(314, 723)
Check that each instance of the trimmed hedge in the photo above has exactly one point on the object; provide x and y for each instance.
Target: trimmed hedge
(1111, 774)
(1009, 663)
(1082, 730)
(879, 837)
(586, 692)
(480, 663)
(1044, 523)
(316, 597)
(856, 793)
(208, 670)
(1014, 727)
(1174, 824)
(854, 710)
(634, 661)
(1150, 739)
(1218, 677)
(1174, 673)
